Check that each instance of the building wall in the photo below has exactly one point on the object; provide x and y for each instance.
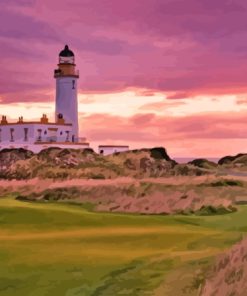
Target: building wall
(39, 136)
(55, 133)
(18, 134)
(66, 101)
(35, 132)
(106, 150)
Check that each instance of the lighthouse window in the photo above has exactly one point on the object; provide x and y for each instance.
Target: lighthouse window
(61, 133)
(45, 132)
(73, 84)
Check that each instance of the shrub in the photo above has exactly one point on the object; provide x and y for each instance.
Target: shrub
(207, 210)
(226, 183)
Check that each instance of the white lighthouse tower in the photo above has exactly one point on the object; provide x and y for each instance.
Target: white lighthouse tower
(66, 91)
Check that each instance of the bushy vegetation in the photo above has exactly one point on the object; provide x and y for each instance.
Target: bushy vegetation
(222, 183)
(203, 163)
(56, 163)
(148, 197)
(207, 210)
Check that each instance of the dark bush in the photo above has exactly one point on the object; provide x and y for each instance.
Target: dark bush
(159, 153)
(228, 159)
(226, 183)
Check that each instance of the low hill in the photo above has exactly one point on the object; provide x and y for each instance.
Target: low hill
(71, 163)
(10, 156)
(203, 163)
(239, 159)
(155, 162)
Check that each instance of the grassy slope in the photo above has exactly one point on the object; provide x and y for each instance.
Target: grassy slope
(59, 249)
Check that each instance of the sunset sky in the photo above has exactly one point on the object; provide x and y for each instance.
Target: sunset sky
(169, 73)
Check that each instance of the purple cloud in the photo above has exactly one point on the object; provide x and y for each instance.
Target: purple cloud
(188, 47)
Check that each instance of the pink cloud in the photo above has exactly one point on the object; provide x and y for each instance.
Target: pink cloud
(178, 96)
(241, 101)
(182, 135)
(193, 47)
(157, 106)
(205, 126)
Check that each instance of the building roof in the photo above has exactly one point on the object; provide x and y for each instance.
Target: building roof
(35, 122)
(61, 143)
(113, 146)
(66, 52)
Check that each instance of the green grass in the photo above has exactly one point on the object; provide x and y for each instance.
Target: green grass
(49, 249)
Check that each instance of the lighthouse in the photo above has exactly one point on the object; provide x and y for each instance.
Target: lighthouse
(42, 134)
(66, 77)
(64, 131)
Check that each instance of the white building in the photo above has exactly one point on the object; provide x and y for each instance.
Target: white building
(110, 149)
(42, 134)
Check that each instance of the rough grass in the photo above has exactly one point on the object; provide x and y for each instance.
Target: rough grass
(64, 249)
(205, 198)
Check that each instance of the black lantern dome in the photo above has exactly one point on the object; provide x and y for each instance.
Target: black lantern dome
(66, 56)
(66, 52)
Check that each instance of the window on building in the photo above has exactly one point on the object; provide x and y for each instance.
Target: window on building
(61, 133)
(11, 135)
(101, 151)
(45, 132)
(25, 134)
(39, 134)
(67, 136)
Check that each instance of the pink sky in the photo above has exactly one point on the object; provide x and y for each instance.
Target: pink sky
(166, 73)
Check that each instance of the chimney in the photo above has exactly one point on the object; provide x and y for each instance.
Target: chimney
(60, 119)
(4, 120)
(20, 120)
(44, 119)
